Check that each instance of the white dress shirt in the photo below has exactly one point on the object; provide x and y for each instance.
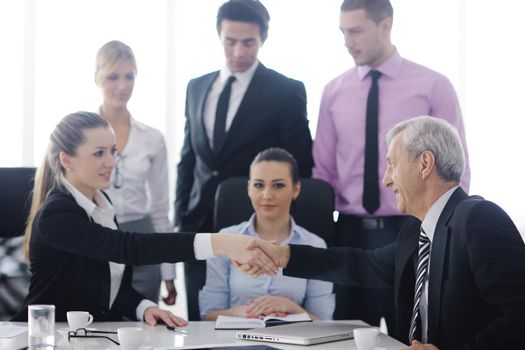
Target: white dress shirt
(144, 191)
(429, 226)
(102, 212)
(239, 87)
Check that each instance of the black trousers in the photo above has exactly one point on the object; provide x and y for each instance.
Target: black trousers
(366, 304)
(195, 274)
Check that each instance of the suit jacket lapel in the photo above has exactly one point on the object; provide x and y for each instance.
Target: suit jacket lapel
(250, 97)
(201, 136)
(437, 261)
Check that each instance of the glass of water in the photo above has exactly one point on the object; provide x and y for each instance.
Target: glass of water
(41, 332)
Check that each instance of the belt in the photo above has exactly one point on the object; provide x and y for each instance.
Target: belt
(374, 222)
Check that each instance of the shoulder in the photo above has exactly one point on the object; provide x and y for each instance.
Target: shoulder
(308, 238)
(278, 78)
(202, 79)
(238, 229)
(59, 204)
(147, 130)
(338, 83)
(415, 69)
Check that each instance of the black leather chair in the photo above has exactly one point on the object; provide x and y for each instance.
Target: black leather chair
(16, 185)
(313, 209)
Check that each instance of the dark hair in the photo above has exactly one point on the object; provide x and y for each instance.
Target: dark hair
(67, 136)
(245, 11)
(376, 10)
(276, 154)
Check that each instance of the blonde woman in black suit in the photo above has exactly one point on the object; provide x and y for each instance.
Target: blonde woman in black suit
(78, 258)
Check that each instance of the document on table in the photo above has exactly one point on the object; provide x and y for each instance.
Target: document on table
(230, 322)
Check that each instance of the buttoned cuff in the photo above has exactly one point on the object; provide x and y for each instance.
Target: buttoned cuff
(141, 308)
(202, 246)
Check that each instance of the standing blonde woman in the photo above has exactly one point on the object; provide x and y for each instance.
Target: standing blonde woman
(139, 183)
(78, 258)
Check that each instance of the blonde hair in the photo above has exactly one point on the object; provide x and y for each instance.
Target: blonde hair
(110, 55)
(67, 136)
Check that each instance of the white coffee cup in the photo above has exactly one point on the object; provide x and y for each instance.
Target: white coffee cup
(130, 338)
(366, 338)
(78, 319)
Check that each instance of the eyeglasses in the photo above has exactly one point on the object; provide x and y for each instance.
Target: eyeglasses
(84, 333)
(117, 179)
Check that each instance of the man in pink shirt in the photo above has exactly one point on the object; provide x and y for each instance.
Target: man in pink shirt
(357, 110)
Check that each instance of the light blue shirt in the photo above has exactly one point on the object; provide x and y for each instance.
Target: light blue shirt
(226, 286)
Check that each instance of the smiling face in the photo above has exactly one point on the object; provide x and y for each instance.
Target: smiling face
(403, 176)
(241, 42)
(89, 169)
(117, 83)
(271, 189)
(367, 41)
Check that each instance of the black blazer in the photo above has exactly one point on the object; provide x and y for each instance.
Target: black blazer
(69, 257)
(476, 278)
(271, 114)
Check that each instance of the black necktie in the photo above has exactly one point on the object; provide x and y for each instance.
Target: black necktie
(219, 129)
(421, 277)
(371, 177)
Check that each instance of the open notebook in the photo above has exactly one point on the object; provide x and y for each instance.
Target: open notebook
(230, 322)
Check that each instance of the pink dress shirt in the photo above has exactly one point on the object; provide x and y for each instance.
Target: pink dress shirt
(406, 90)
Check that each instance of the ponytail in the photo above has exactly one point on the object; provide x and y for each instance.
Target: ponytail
(66, 137)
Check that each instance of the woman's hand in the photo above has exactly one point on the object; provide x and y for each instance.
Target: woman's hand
(153, 315)
(241, 311)
(273, 305)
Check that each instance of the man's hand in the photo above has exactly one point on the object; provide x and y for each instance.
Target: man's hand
(172, 293)
(273, 305)
(236, 248)
(278, 253)
(153, 314)
(420, 346)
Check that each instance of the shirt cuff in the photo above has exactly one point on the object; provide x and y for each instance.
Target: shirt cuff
(141, 308)
(202, 246)
(168, 271)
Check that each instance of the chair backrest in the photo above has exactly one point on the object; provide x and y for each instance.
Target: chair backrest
(313, 209)
(16, 185)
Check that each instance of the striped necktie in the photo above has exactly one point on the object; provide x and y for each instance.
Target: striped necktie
(421, 277)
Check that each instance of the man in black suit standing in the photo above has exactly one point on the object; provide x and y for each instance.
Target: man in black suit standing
(231, 115)
(458, 266)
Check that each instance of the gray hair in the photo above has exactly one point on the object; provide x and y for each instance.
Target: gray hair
(432, 134)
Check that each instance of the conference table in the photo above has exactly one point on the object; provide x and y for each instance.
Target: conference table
(200, 335)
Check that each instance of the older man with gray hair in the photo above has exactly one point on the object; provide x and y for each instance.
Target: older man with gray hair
(458, 265)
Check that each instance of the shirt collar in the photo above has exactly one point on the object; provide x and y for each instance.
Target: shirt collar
(430, 221)
(85, 203)
(242, 77)
(389, 68)
(249, 230)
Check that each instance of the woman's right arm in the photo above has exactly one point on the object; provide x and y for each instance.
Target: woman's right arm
(65, 226)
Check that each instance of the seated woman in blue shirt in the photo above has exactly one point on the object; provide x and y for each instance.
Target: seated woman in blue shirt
(272, 187)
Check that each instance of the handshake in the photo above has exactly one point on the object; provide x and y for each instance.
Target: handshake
(252, 256)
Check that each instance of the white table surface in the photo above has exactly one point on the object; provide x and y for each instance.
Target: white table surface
(200, 334)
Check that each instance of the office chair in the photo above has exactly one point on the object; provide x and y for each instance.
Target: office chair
(313, 209)
(16, 185)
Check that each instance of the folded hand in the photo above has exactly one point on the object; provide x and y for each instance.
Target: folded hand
(273, 305)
